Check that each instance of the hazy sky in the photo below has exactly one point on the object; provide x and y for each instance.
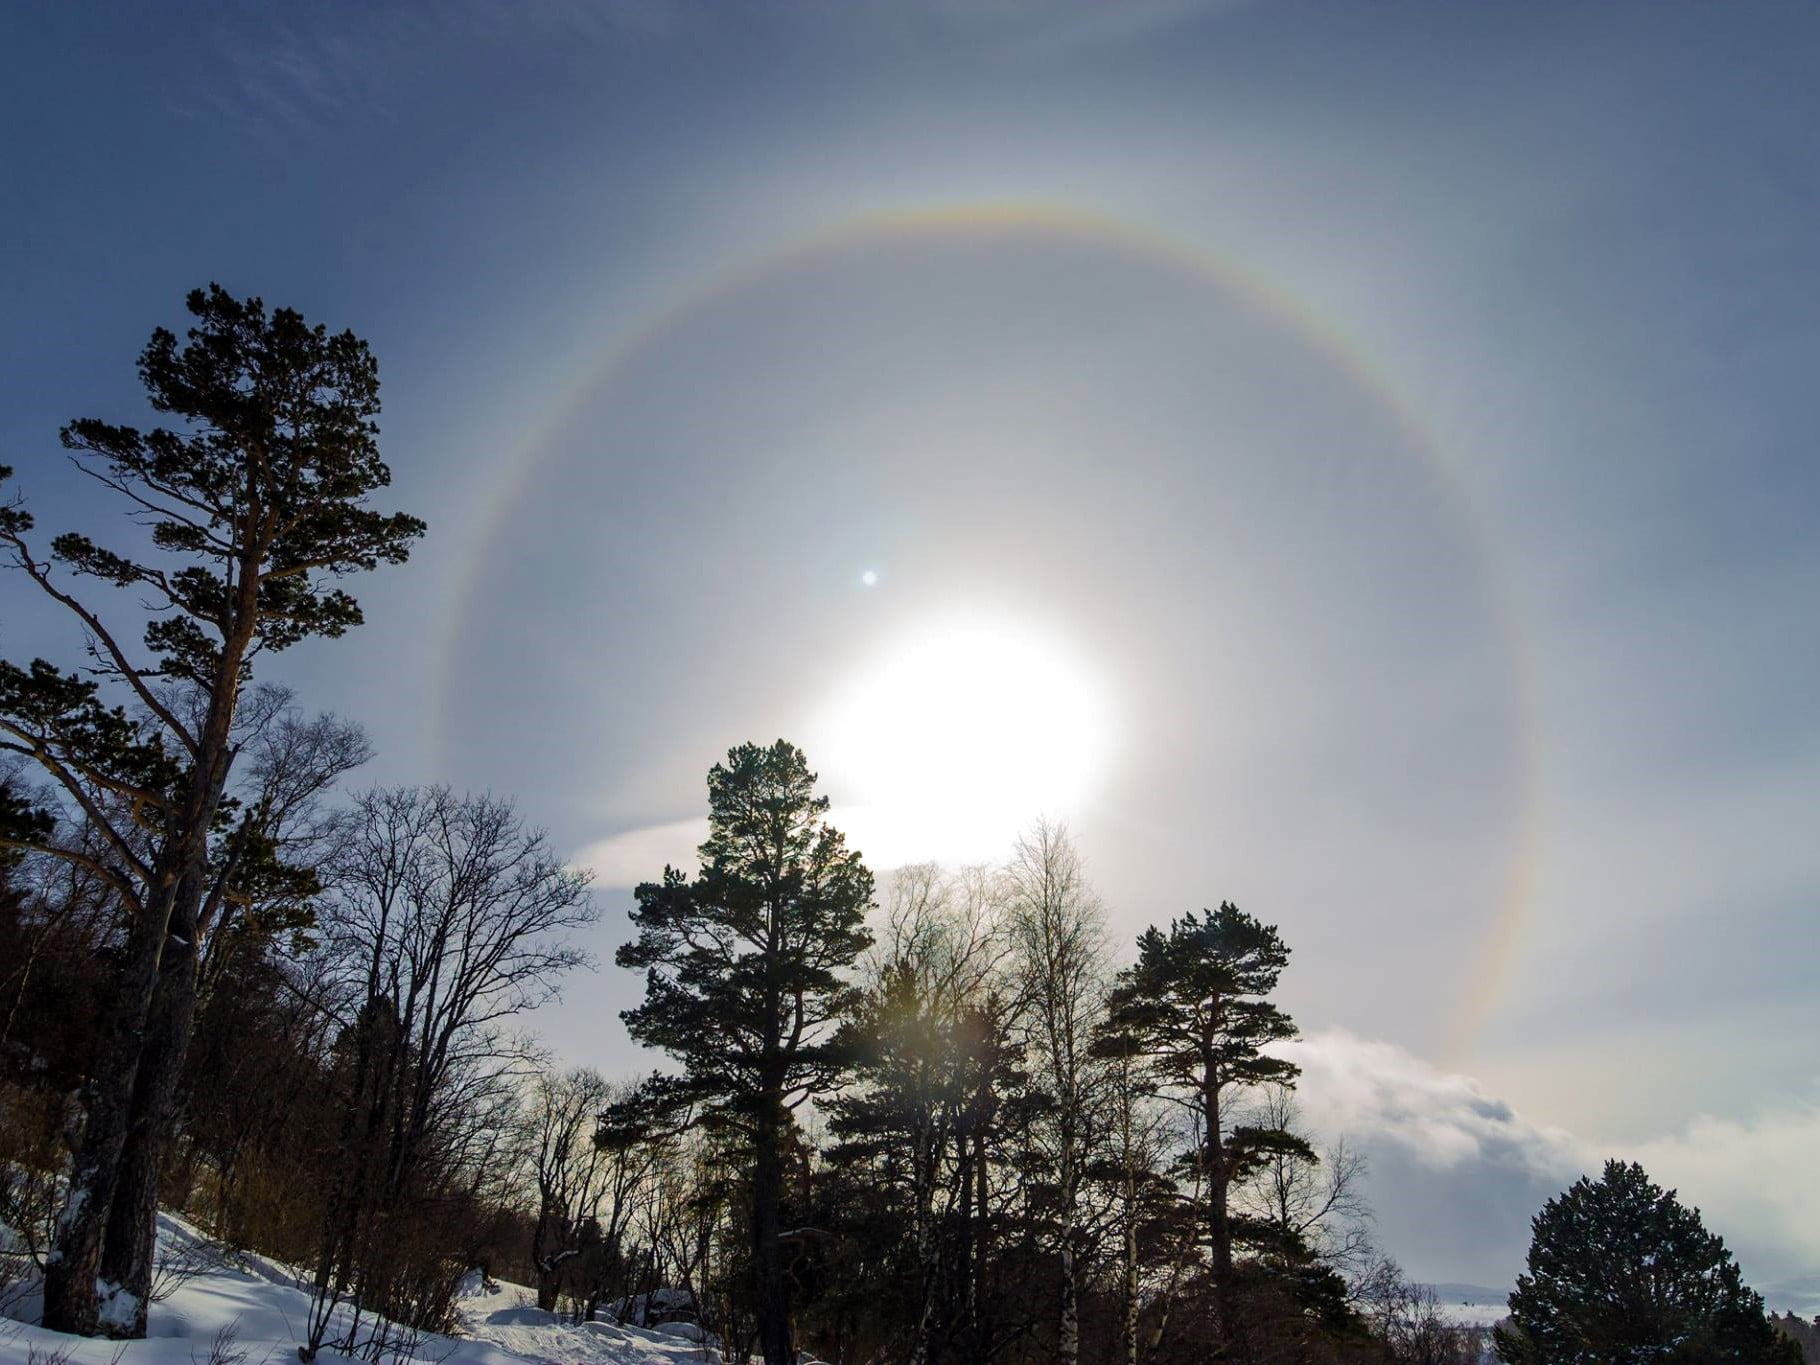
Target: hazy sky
(1353, 460)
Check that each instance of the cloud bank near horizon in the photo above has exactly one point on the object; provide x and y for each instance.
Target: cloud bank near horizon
(1455, 1174)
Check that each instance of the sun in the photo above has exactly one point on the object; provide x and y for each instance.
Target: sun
(958, 733)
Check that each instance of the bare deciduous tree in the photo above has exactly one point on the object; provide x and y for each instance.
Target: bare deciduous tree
(586, 1177)
(448, 917)
(1058, 931)
(1407, 1318)
(1319, 1203)
(1134, 1152)
(263, 880)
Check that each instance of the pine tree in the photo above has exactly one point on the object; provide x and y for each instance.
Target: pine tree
(1192, 1013)
(1621, 1271)
(744, 976)
(253, 503)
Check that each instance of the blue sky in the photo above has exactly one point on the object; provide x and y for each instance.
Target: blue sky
(1394, 420)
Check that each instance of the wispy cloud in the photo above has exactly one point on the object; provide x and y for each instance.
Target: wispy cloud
(294, 74)
(296, 69)
(640, 855)
(885, 837)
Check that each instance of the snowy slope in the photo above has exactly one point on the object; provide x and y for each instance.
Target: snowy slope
(507, 1316)
(259, 1303)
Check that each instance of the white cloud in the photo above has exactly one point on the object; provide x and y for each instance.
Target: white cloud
(1456, 1172)
(1357, 1086)
(1754, 1183)
(886, 837)
(640, 855)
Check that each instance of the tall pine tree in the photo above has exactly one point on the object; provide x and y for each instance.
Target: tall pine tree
(255, 500)
(745, 977)
(1193, 1014)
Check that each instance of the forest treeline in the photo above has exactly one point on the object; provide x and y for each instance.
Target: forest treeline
(986, 1142)
(939, 1119)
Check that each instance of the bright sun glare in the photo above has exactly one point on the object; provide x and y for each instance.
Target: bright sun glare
(959, 733)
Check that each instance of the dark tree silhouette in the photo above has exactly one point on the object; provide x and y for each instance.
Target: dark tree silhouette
(1191, 1013)
(449, 916)
(252, 502)
(930, 1134)
(744, 976)
(1621, 1271)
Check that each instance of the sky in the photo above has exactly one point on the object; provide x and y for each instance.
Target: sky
(1351, 460)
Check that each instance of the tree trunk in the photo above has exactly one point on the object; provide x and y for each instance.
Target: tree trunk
(1221, 1237)
(349, 1200)
(542, 1254)
(1068, 1330)
(962, 1308)
(1130, 1325)
(128, 1250)
(982, 1249)
(1068, 1325)
(767, 1250)
(1220, 1223)
(72, 1295)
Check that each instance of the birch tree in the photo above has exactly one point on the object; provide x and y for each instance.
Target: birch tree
(1058, 933)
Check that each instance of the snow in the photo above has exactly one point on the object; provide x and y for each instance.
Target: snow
(263, 1310)
(1457, 1314)
(507, 1316)
(119, 1309)
(659, 1306)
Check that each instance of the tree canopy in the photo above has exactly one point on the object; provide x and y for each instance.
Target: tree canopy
(1622, 1273)
(745, 975)
(1193, 1013)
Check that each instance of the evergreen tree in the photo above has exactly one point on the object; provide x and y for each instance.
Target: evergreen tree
(744, 976)
(1192, 1013)
(253, 503)
(1622, 1273)
(1805, 1334)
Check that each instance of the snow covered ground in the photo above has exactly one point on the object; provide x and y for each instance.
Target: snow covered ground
(244, 1309)
(1472, 1314)
(507, 1316)
(248, 1310)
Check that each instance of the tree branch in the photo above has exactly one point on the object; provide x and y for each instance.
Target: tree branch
(40, 575)
(79, 859)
